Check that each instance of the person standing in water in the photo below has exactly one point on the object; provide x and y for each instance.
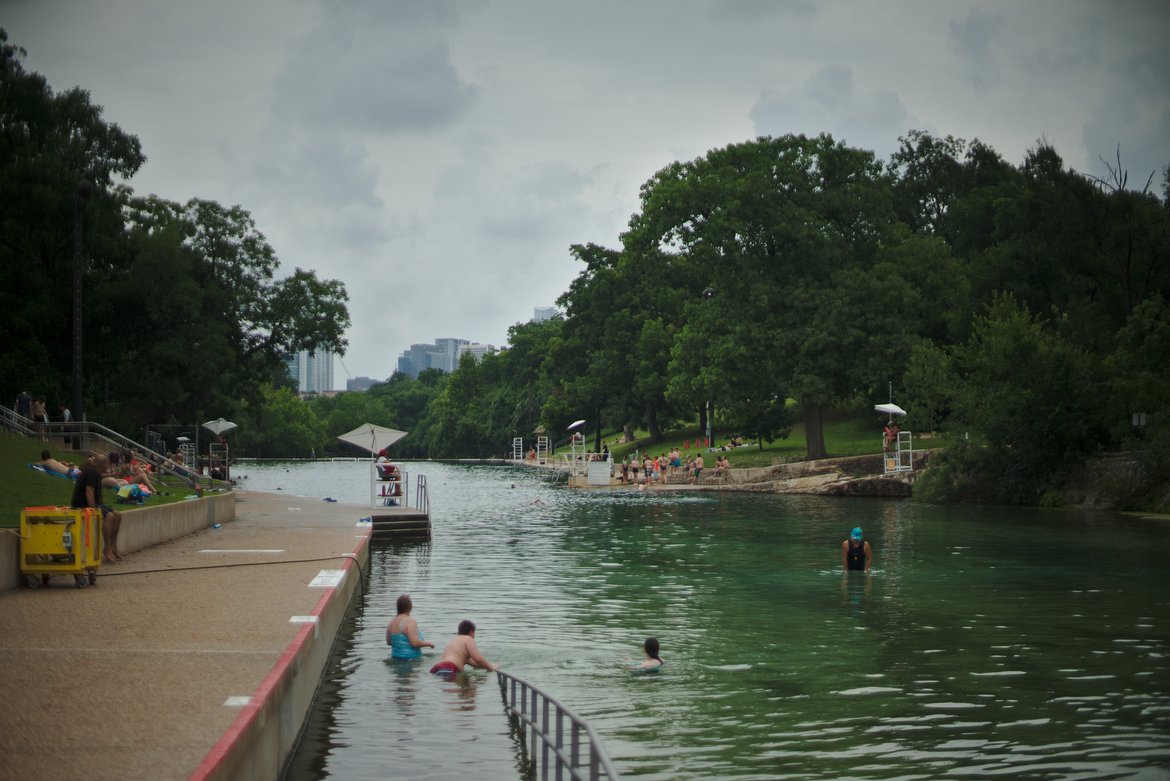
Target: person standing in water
(402, 635)
(856, 554)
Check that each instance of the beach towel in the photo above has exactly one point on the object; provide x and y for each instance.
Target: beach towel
(73, 473)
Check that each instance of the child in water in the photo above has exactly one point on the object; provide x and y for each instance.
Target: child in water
(653, 661)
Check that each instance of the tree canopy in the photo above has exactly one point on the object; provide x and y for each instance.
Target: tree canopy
(183, 312)
(1022, 307)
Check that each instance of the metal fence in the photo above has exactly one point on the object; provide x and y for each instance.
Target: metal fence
(553, 737)
(86, 435)
(422, 502)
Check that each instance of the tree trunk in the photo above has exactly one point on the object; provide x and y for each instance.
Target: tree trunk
(702, 422)
(814, 431)
(597, 436)
(652, 422)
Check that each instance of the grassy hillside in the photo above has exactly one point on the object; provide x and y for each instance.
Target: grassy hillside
(24, 487)
(844, 436)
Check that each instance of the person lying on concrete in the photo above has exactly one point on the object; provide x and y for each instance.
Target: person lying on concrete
(60, 467)
(462, 651)
(87, 492)
(403, 635)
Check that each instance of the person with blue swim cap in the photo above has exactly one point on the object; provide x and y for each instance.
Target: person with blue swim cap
(856, 554)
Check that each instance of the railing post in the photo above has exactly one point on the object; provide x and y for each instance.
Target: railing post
(536, 705)
(560, 741)
(544, 734)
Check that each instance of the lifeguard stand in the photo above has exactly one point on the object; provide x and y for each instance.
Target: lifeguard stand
(900, 457)
(187, 450)
(542, 449)
(217, 460)
(518, 448)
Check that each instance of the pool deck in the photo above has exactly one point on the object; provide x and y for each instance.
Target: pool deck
(195, 658)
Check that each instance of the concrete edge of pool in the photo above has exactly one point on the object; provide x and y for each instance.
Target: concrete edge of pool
(198, 656)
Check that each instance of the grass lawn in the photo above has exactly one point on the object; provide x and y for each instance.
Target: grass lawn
(854, 435)
(26, 487)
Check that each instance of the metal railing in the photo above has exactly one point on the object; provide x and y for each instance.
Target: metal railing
(422, 502)
(81, 431)
(546, 721)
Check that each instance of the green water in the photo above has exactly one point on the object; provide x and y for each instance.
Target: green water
(986, 642)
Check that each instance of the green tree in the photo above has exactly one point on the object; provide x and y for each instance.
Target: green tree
(279, 424)
(49, 142)
(766, 225)
(1030, 396)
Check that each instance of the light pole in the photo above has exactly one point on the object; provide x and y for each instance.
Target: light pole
(80, 196)
(708, 294)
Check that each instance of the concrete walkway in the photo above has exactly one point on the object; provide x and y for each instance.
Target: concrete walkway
(181, 663)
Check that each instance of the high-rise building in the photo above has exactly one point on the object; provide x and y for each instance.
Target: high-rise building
(476, 349)
(360, 383)
(443, 355)
(542, 313)
(312, 371)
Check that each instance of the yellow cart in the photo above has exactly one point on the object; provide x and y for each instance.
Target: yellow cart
(60, 541)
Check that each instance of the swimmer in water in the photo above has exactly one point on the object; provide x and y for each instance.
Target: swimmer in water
(652, 661)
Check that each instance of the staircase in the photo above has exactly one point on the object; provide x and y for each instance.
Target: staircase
(405, 524)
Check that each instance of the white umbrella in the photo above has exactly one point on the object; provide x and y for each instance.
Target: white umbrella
(373, 438)
(219, 426)
(578, 424)
(890, 409)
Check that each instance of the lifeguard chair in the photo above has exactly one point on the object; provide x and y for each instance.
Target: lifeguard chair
(897, 445)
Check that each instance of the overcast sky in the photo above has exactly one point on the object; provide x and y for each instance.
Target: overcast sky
(440, 157)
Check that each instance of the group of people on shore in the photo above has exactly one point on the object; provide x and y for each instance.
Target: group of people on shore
(121, 469)
(651, 470)
(406, 642)
(114, 470)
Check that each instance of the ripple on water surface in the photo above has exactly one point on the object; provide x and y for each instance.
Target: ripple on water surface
(971, 651)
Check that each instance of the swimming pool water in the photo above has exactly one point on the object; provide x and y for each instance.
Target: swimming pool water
(987, 642)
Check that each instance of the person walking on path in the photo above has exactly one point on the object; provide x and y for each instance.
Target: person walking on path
(462, 651)
(856, 554)
(402, 635)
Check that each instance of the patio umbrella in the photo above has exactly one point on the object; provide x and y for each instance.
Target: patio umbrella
(578, 424)
(373, 438)
(890, 409)
(219, 426)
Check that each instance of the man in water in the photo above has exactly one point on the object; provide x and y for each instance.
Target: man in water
(462, 651)
(855, 552)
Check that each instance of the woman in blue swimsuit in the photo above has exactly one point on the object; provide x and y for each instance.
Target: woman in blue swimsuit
(402, 635)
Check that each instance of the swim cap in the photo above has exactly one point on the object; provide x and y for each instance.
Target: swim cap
(856, 533)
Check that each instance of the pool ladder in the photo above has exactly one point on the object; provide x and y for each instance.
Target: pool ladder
(545, 720)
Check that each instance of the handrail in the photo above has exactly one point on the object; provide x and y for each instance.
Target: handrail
(80, 429)
(545, 719)
(422, 501)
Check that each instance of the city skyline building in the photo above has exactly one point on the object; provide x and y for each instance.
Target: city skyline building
(443, 355)
(312, 371)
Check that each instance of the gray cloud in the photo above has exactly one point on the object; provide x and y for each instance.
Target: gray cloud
(975, 35)
(380, 68)
(440, 156)
(829, 101)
